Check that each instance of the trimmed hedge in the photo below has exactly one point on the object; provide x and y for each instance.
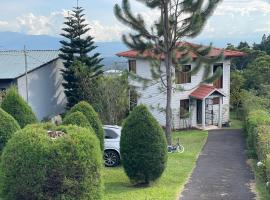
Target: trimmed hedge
(267, 166)
(76, 118)
(263, 142)
(8, 126)
(253, 121)
(143, 147)
(92, 117)
(14, 104)
(63, 164)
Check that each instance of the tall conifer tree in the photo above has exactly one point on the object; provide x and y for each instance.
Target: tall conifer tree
(77, 46)
(178, 20)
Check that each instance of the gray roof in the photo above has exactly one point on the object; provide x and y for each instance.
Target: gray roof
(12, 63)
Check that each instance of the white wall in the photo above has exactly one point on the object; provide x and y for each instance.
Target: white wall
(46, 93)
(155, 99)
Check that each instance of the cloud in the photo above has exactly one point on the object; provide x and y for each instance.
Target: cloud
(53, 23)
(40, 24)
(232, 19)
(3, 23)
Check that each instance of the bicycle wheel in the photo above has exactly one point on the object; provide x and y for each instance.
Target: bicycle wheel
(181, 149)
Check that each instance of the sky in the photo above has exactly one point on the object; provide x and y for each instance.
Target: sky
(245, 20)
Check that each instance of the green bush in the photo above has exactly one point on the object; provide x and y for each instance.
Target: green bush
(62, 164)
(14, 104)
(8, 126)
(92, 117)
(76, 118)
(143, 147)
(254, 120)
(263, 142)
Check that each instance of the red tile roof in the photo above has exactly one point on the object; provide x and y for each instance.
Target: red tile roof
(204, 91)
(214, 52)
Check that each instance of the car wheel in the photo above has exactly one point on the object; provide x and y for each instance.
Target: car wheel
(111, 158)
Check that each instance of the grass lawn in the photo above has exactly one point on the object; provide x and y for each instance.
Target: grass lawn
(179, 169)
(261, 190)
(236, 123)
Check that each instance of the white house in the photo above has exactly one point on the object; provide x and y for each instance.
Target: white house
(198, 105)
(37, 74)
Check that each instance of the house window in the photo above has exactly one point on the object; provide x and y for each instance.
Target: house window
(219, 82)
(133, 98)
(216, 101)
(184, 75)
(184, 108)
(132, 66)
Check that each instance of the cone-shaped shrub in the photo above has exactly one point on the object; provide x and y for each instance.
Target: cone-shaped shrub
(143, 147)
(76, 118)
(8, 126)
(92, 118)
(14, 104)
(64, 163)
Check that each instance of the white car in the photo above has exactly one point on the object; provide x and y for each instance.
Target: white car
(112, 145)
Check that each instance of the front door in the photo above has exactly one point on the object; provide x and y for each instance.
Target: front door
(199, 111)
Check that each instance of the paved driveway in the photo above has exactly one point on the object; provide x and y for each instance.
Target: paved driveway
(221, 172)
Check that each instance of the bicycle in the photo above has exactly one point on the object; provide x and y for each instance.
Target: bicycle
(178, 148)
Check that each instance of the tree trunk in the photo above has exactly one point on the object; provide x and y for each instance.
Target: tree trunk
(168, 65)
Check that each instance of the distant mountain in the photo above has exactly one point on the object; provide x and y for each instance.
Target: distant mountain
(16, 41)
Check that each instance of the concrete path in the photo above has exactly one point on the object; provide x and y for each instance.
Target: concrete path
(221, 172)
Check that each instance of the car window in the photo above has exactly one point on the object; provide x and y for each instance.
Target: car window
(110, 134)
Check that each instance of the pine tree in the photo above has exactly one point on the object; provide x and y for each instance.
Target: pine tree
(77, 47)
(178, 20)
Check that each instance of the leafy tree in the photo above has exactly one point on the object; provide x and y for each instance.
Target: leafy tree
(242, 62)
(143, 147)
(237, 84)
(15, 105)
(258, 73)
(264, 45)
(111, 98)
(243, 45)
(178, 20)
(77, 46)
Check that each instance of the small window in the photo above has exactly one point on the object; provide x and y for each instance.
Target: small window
(216, 101)
(132, 66)
(133, 98)
(184, 75)
(218, 83)
(184, 108)
(110, 134)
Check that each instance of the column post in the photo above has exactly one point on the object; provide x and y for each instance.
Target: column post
(203, 113)
(220, 113)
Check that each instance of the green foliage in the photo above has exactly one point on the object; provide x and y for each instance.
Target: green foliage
(251, 101)
(92, 118)
(77, 47)
(237, 83)
(263, 142)
(63, 164)
(8, 126)
(267, 166)
(110, 98)
(254, 120)
(76, 118)
(258, 73)
(143, 147)
(264, 45)
(14, 104)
